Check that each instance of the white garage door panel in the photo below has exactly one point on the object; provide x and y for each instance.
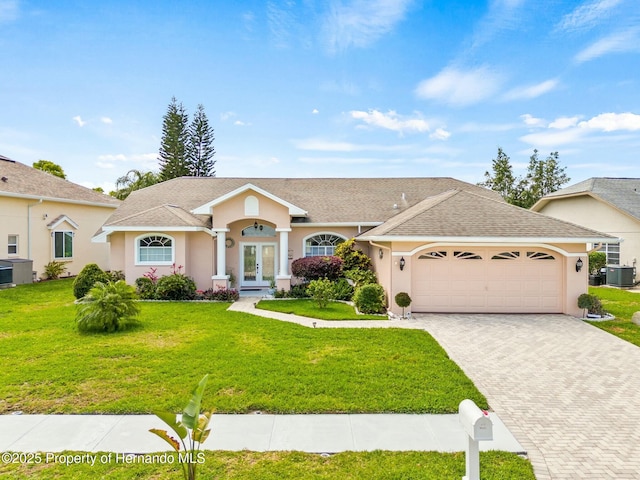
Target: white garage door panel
(518, 284)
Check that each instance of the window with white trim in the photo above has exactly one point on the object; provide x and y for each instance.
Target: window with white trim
(322, 245)
(155, 249)
(62, 245)
(12, 245)
(613, 253)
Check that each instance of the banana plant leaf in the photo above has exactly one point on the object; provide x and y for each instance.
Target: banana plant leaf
(191, 413)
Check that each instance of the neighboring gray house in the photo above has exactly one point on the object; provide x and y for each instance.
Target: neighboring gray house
(609, 205)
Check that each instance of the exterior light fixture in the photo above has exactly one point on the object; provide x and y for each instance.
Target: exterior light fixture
(402, 263)
(255, 225)
(380, 254)
(579, 264)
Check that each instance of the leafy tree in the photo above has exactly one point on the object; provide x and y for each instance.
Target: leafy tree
(50, 167)
(200, 147)
(134, 180)
(501, 179)
(543, 177)
(173, 145)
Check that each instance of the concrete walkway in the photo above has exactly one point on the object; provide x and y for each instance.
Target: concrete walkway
(569, 391)
(307, 433)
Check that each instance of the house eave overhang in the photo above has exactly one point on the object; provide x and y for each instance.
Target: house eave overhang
(55, 199)
(336, 224)
(487, 240)
(205, 209)
(108, 230)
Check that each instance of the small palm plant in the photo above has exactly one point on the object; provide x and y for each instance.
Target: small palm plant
(192, 424)
(108, 307)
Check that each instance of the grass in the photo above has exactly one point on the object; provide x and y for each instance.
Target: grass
(254, 363)
(622, 304)
(376, 465)
(308, 308)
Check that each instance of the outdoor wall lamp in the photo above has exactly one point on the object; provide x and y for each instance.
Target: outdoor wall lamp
(402, 263)
(579, 264)
(380, 254)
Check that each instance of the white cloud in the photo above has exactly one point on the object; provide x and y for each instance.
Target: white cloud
(315, 111)
(611, 122)
(240, 123)
(390, 121)
(532, 121)
(566, 130)
(460, 87)
(105, 165)
(227, 115)
(8, 10)
(321, 145)
(587, 15)
(359, 23)
(564, 122)
(106, 120)
(79, 121)
(440, 134)
(282, 21)
(553, 138)
(112, 158)
(345, 87)
(531, 91)
(625, 41)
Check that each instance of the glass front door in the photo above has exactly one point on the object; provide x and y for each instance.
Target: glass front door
(258, 264)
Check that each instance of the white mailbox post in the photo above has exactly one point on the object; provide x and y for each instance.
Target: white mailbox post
(478, 427)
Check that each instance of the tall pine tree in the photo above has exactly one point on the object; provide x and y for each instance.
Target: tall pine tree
(200, 148)
(173, 146)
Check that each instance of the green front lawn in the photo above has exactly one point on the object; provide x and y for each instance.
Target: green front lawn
(306, 307)
(622, 304)
(254, 363)
(376, 465)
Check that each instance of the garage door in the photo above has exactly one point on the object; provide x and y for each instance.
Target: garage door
(487, 280)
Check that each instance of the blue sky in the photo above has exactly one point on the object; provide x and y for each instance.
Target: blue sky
(334, 88)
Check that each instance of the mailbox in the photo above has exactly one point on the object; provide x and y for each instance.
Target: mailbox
(475, 422)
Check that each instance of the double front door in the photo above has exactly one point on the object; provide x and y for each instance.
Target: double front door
(258, 264)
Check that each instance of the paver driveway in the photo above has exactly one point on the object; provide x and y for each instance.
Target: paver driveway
(569, 392)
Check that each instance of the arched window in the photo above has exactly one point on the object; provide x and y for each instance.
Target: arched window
(155, 249)
(323, 244)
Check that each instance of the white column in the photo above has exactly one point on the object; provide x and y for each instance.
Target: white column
(284, 252)
(221, 255)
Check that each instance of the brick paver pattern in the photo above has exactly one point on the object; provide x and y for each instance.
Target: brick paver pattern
(568, 391)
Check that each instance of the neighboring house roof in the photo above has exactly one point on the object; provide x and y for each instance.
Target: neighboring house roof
(621, 193)
(348, 201)
(21, 181)
(458, 214)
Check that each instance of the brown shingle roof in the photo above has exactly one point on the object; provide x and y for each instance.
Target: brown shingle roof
(163, 216)
(19, 180)
(327, 200)
(460, 213)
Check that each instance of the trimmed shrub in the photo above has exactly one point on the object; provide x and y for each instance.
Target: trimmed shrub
(597, 260)
(343, 290)
(107, 307)
(145, 288)
(321, 291)
(361, 277)
(369, 298)
(591, 304)
(403, 300)
(222, 294)
(87, 278)
(116, 275)
(299, 291)
(314, 268)
(176, 286)
(352, 259)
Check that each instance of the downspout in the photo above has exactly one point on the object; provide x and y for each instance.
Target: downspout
(29, 227)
